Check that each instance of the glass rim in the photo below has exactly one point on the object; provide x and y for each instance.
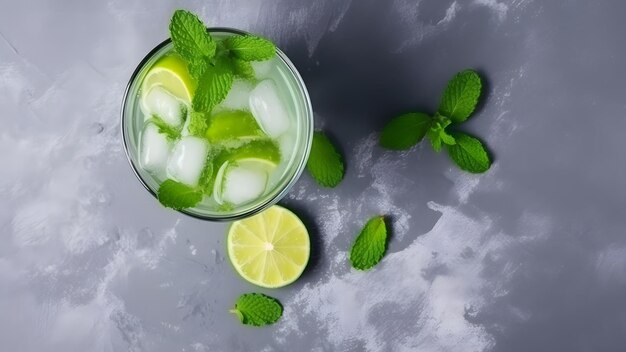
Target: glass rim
(308, 135)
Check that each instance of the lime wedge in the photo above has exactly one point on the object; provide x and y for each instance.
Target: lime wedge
(234, 124)
(270, 249)
(170, 72)
(265, 150)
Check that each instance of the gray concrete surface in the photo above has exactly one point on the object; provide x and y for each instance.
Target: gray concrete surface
(528, 257)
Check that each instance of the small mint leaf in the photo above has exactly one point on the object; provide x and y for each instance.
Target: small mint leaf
(461, 96)
(405, 131)
(250, 47)
(435, 139)
(325, 164)
(257, 309)
(177, 195)
(437, 133)
(190, 37)
(469, 153)
(446, 138)
(370, 246)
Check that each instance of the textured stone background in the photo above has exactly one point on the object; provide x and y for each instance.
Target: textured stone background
(528, 257)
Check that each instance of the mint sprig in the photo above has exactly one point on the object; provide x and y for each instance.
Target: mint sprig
(325, 164)
(213, 64)
(370, 246)
(458, 102)
(257, 309)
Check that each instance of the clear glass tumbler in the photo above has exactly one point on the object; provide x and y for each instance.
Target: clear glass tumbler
(290, 86)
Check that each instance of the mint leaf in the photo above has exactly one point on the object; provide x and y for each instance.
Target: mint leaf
(325, 164)
(257, 309)
(405, 131)
(243, 69)
(369, 247)
(198, 124)
(437, 133)
(469, 154)
(213, 87)
(461, 96)
(250, 48)
(178, 196)
(440, 138)
(190, 37)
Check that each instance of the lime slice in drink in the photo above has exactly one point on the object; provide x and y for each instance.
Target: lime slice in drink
(170, 72)
(270, 249)
(266, 150)
(233, 124)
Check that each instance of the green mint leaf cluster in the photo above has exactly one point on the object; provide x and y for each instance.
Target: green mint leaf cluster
(214, 64)
(257, 309)
(325, 164)
(457, 105)
(370, 246)
(178, 196)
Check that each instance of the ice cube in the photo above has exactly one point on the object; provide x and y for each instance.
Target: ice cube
(262, 68)
(154, 149)
(243, 182)
(238, 96)
(164, 105)
(187, 160)
(268, 109)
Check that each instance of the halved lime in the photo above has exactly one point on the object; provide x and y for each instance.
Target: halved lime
(170, 72)
(270, 249)
(233, 124)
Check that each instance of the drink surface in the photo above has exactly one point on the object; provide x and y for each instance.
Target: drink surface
(241, 154)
